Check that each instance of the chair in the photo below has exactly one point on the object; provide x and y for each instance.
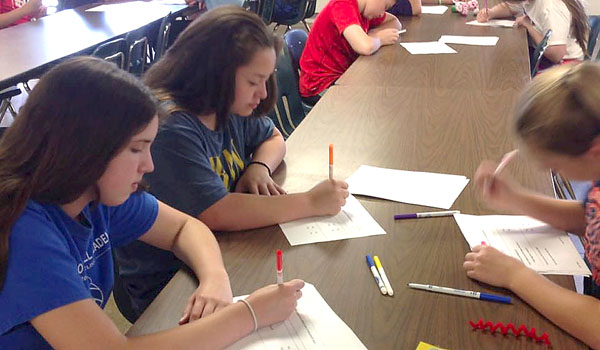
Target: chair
(170, 27)
(311, 8)
(288, 13)
(288, 112)
(112, 51)
(5, 105)
(137, 51)
(594, 34)
(561, 186)
(265, 10)
(120, 294)
(252, 6)
(538, 53)
(295, 40)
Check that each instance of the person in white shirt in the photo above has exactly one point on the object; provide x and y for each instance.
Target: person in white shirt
(566, 18)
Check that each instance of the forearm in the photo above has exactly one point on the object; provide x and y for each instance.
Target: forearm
(271, 151)
(390, 22)
(502, 10)
(563, 214)
(555, 53)
(415, 5)
(374, 45)
(216, 331)
(197, 247)
(11, 17)
(577, 314)
(242, 211)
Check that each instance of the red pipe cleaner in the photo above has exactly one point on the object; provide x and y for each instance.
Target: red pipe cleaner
(504, 330)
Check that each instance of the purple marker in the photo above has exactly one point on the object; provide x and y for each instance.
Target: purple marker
(425, 215)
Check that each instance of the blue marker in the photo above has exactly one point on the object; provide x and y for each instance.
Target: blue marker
(376, 275)
(460, 292)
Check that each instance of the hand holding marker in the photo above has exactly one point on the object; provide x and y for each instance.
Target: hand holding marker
(503, 163)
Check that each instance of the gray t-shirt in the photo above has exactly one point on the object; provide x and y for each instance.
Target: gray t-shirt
(194, 167)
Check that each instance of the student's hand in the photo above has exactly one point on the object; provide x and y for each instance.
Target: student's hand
(523, 21)
(489, 265)
(256, 180)
(328, 197)
(498, 192)
(212, 295)
(388, 36)
(33, 7)
(275, 303)
(483, 15)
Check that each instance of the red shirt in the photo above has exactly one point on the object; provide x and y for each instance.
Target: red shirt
(328, 54)
(9, 5)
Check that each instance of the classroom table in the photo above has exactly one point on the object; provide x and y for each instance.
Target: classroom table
(29, 49)
(503, 66)
(424, 124)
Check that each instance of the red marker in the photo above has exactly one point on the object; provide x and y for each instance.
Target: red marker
(331, 161)
(279, 266)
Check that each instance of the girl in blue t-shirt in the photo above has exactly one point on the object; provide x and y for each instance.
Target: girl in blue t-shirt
(558, 124)
(70, 170)
(215, 150)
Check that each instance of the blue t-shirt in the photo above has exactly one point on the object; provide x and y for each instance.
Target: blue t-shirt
(401, 8)
(194, 167)
(54, 261)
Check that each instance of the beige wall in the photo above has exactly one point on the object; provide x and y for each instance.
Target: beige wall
(593, 7)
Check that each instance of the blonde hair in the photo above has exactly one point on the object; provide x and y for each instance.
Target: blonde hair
(559, 110)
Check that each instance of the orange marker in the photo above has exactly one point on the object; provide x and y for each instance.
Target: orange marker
(331, 161)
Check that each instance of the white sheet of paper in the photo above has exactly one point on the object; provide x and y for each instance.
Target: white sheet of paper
(427, 48)
(124, 6)
(413, 187)
(434, 10)
(470, 40)
(505, 23)
(351, 222)
(314, 325)
(539, 246)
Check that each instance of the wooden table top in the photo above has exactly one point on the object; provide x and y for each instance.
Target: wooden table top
(28, 48)
(421, 123)
(502, 66)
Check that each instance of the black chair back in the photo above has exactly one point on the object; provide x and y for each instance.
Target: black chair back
(539, 52)
(112, 51)
(289, 111)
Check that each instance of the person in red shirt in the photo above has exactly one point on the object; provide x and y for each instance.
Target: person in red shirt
(13, 12)
(342, 31)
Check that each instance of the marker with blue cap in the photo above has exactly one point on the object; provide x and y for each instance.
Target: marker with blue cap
(460, 292)
(376, 275)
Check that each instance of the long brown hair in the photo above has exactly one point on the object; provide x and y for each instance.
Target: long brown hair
(198, 72)
(580, 24)
(559, 111)
(77, 118)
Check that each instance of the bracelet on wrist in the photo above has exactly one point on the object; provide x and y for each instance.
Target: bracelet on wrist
(251, 311)
(261, 163)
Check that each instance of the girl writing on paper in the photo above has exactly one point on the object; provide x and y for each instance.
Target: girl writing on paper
(566, 19)
(70, 171)
(558, 125)
(215, 150)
